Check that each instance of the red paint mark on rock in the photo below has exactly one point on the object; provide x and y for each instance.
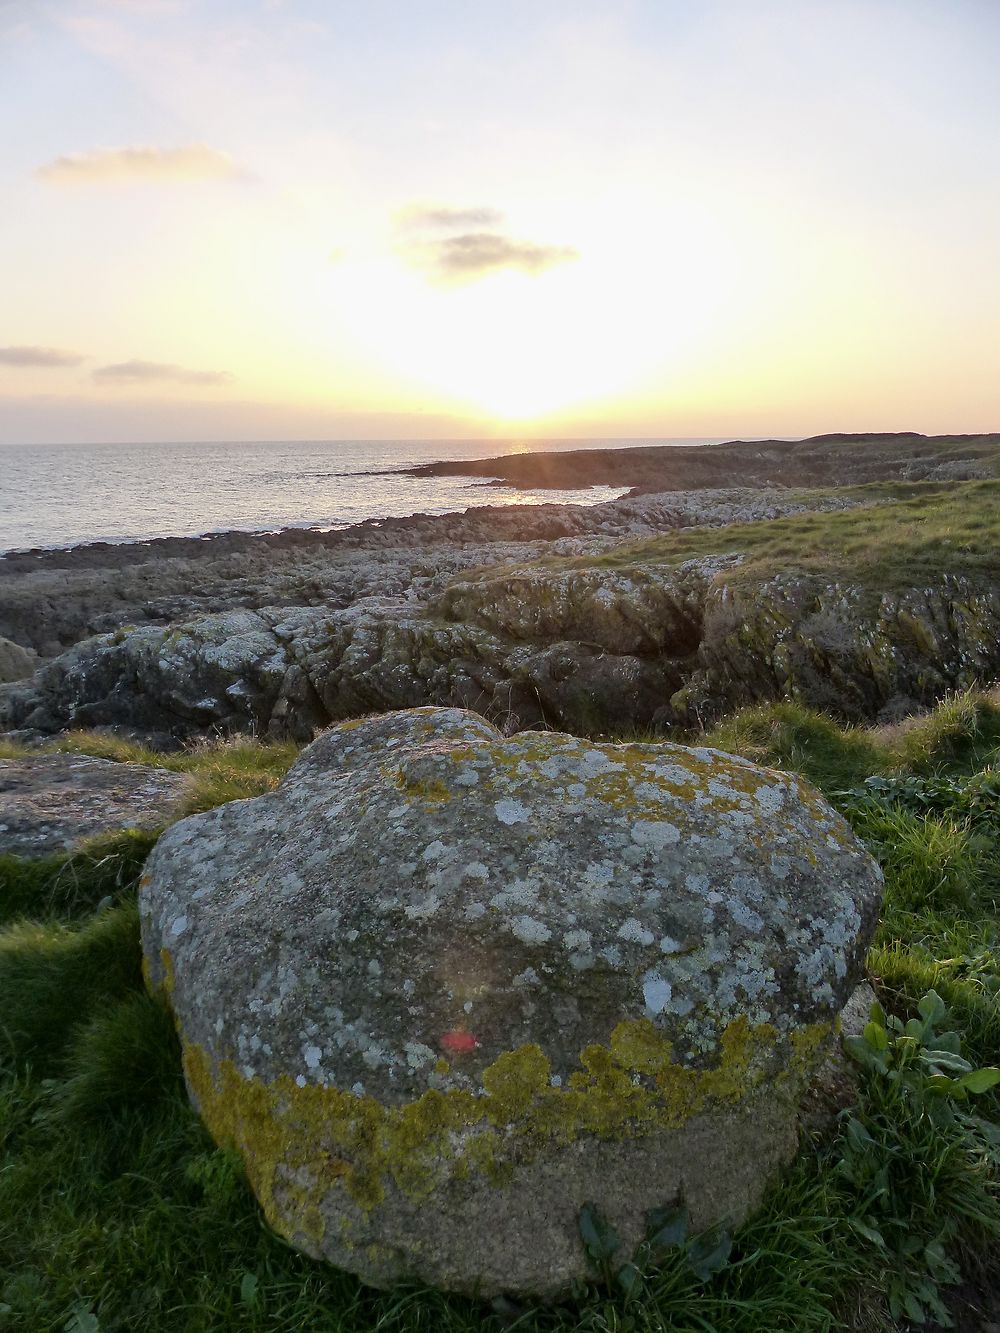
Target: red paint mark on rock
(458, 1042)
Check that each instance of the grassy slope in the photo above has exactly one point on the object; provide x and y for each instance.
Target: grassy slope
(905, 534)
(117, 1212)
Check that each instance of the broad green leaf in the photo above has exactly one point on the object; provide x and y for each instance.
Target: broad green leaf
(82, 1320)
(667, 1227)
(859, 1049)
(946, 1041)
(869, 1233)
(914, 1308)
(709, 1253)
(940, 1083)
(932, 1008)
(981, 1080)
(876, 1036)
(629, 1279)
(955, 1064)
(598, 1235)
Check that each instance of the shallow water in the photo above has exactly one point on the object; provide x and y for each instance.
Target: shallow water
(61, 495)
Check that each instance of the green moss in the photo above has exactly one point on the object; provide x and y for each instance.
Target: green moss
(434, 790)
(299, 1142)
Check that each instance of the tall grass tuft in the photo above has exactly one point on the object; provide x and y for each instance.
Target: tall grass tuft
(53, 977)
(70, 884)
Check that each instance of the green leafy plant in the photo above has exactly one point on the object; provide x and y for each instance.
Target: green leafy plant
(706, 1253)
(668, 1235)
(975, 798)
(918, 1162)
(924, 1063)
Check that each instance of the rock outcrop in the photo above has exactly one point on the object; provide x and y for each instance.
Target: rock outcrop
(598, 648)
(442, 989)
(54, 802)
(288, 671)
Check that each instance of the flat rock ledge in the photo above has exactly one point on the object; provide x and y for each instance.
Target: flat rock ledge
(443, 988)
(54, 802)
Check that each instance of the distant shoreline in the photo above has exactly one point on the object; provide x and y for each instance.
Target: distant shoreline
(61, 498)
(817, 461)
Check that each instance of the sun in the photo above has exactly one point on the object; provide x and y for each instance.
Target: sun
(510, 347)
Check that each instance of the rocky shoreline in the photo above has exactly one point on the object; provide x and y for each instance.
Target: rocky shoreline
(51, 599)
(280, 634)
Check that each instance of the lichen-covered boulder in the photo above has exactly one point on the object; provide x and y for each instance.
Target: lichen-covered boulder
(441, 989)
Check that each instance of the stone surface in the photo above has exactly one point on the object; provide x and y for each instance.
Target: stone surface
(15, 662)
(443, 988)
(593, 649)
(53, 802)
(835, 1085)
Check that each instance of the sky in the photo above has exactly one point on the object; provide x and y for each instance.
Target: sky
(295, 219)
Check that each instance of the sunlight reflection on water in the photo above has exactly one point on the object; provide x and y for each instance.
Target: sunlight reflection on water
(61, 495)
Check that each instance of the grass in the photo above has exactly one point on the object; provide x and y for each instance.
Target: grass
(118, 1213)
(900, 535)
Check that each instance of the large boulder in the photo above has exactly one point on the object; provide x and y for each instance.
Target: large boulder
(442, 989)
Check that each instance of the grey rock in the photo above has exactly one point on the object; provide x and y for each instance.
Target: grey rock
(53, 802)
(443, 988)
(597, 648)
(15, 662)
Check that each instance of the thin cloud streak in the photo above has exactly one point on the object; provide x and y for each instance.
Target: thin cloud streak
(141, 162)
(159, 372)
(475, 254)
(439, 217)
(38, 356)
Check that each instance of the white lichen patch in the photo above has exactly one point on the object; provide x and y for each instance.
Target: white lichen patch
(529, 930)
(510, 812)
(635, 932)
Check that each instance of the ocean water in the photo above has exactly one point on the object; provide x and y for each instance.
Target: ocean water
(63, 495)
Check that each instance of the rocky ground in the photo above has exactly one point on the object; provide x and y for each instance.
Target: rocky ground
(55, 802)
(50, 600)
(560, 615)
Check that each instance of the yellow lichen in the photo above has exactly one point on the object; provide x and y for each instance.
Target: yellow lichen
(301, 1142)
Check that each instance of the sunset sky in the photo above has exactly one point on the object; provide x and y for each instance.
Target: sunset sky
(229, 219)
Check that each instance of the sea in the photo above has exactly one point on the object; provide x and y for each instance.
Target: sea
(65, 495)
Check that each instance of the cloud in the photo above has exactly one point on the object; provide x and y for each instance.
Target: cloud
(451, 219)
(142, 163)
(159, 372)
(475, 247)
(38, 356)
(476, 253)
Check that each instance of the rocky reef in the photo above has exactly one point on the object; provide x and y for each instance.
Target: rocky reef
(597, 649)
(443, 988)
